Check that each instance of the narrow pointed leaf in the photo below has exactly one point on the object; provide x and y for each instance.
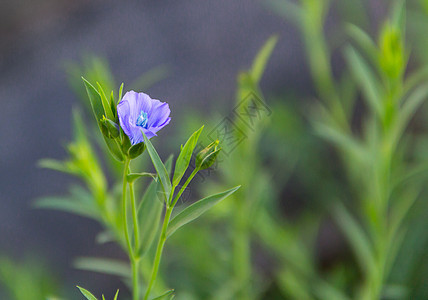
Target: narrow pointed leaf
(168, 164)
(262, 58)
(105, 237)
(364, 42)
(114, 148)
(120, 93)
(67, 205)
(95, 99)
(159, 166)
(106, 104)
(131, 177)
(103, 265)
(193, 211)
(286, 9)
(183, 159)
(98, 110)
(54, 164)
(149, 214)
(113, 106)
(366, 79)
(166, 295)
(151, 77)
(356, 236)
(86, 293)
(117, 294)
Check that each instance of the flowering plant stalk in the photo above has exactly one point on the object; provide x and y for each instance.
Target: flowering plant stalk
(127, 129)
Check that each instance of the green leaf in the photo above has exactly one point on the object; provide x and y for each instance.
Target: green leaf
(135, 150)
(117, 294)
(149, 213)
(262, 58)
(98, 110)
(103, 265)
(364, 41)
(398, 14)
(159, 166)
(105, 103)
(412, 103)
(86, 293)
(54, 164)
(105, 237)
(183, 159)
(286, 9)
(168, 164)
(113, 106)
(193, 211)
(104, 298)
(356, 236)
(79, 202)
(346, 142)
(120, 93)
(367, 80)
(150, 77)
(131, 177)
(67, 205)
(95, 99)
(166, 295)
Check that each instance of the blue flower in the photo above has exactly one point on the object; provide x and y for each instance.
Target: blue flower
(137, 111)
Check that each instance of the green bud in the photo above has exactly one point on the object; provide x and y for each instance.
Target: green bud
(126, 143)
(136, 150)
(109, 128)
(392, 57)
(206, 157)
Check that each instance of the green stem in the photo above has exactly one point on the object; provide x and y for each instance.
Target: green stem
(159, 249)
(135, 285)
(184, 187)
(134, 218)
(132, 259)
(162, 238)
(124, 210)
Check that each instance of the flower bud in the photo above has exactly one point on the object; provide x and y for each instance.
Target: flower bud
(392, 56)
(109, 128)
(135, 150)
(206, 157)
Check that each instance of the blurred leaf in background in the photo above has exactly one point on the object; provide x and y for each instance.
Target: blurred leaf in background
(29, 279)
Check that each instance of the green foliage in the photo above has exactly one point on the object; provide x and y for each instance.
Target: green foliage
(149, 214)
(196, 209)
(160, 169)
(28, 279)
(87, 294)
(168, 295)
(184, 157)
(364, 113)
(103, 265)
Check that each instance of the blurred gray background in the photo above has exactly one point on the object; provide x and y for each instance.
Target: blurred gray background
(205, 43)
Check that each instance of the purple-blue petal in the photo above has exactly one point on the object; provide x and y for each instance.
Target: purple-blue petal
(123, 112)
(159, 114)
(131, 106)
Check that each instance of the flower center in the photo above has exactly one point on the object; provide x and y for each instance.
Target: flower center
(142, 120)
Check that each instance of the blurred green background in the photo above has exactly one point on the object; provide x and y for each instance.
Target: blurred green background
(324, 102)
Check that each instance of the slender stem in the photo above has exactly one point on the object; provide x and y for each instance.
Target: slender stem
(162, 238)
(124, 210)
(135, 285)
(134, 218)
(132, 259)
(184, 186)
(159, 249)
